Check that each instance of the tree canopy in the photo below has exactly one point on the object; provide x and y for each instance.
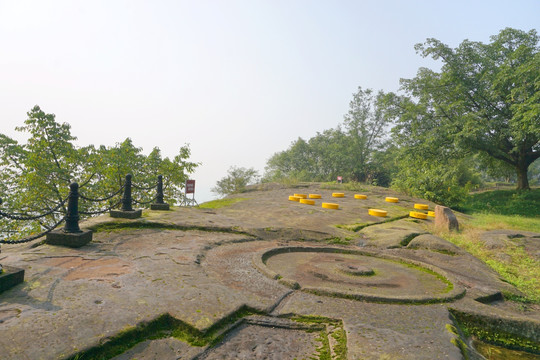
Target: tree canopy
(236, 180)
(351, 150)
(485, 99)
(35, 175)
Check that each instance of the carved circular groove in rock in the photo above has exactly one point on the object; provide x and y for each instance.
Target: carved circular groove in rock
(360, 275)
(356, 270)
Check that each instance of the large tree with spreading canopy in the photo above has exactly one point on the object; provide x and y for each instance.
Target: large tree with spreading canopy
(485, 99)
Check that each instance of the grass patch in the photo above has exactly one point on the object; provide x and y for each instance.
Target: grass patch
(340, 349)
(517, 267)
(338, 241)
(504, 202)
(503, 209)
(220, 203)
(335, 327)
(496, 221)
(349, 186)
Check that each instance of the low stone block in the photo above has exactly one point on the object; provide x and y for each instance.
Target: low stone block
(10, 277)
(73, 240)
(159, 207)
(133, 214)
(445, 219)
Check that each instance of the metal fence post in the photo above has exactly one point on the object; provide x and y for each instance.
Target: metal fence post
(159, 204)
(72, 216)
(159, 196)
(126, 199)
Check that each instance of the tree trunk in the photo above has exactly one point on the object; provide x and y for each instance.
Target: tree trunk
(522, 179)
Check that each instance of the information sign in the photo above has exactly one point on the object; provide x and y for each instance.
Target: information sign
(190, 187)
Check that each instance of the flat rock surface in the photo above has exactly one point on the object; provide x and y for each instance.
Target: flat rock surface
(197, 267)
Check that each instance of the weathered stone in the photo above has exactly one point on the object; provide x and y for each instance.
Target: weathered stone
(445, 219)
(393, 234)
(207, 277)
(159, 207)
(126, 214)
(10, 277)
(434, 243)
(73, 240)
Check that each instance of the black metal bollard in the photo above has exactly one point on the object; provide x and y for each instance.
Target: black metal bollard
(159, 196)
(71, 235)
(126, 199)
(159, 204)
(72, 216)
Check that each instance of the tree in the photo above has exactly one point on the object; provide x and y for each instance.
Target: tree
(35, 176)
(352, 150)
(236, 181)
(365, 126)
(485, 99)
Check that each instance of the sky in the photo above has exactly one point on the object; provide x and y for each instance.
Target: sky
(237, 80)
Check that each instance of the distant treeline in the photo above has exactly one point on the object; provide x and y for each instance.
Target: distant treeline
(477, 119)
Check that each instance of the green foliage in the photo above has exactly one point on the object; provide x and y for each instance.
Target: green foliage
(504, 202)
(428, 176)
(484, 100)
(35, 176)
(236, 181)
(354, 150)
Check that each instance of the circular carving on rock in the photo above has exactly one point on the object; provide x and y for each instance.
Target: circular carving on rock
(356, 270)
(360, 275)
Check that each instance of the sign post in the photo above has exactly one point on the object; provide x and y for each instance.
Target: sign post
(190, 189)
(340, 180)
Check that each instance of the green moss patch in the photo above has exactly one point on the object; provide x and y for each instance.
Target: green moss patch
(217, 204)
(512, 334)
(334, 328)
(162, 327)
(141, 225)
(360, 226)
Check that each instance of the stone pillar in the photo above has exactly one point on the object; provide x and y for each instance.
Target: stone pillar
(445, 219)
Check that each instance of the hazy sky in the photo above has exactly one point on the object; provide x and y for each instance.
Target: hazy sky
(237, 80)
